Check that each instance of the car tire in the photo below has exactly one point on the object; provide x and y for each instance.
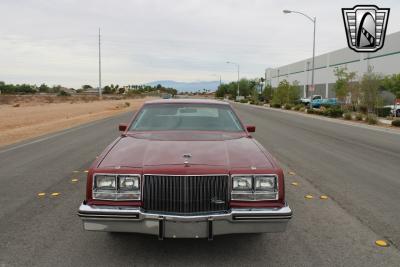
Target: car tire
(398, 113)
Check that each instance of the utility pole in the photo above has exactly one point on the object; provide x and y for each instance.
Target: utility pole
(100, 93)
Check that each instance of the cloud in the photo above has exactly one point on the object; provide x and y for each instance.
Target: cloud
(56, 41)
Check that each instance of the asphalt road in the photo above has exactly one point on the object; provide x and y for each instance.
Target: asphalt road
(358, 169)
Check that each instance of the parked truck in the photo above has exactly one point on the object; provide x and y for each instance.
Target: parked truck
(306, 101)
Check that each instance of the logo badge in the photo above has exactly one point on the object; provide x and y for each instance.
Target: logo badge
(365, 27)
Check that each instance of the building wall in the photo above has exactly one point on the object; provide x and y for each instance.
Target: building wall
(386, 61)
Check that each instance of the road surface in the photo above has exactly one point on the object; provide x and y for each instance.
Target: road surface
(357, 169)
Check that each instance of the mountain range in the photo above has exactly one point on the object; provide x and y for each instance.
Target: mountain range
(187, 86)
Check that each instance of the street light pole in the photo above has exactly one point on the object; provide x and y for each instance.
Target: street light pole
(314, 21)
(100, 92)
(238, 70)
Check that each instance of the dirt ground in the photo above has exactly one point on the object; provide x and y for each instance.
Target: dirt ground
(26, 120)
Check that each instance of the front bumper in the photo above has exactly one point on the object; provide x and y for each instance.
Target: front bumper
(135, 220)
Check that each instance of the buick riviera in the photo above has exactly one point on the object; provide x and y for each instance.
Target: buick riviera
(185, 168)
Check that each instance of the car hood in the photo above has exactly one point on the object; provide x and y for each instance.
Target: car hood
(132, 152)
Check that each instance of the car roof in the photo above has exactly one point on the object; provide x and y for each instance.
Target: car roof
(186, 101)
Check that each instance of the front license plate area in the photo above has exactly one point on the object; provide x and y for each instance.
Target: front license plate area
(174, 229)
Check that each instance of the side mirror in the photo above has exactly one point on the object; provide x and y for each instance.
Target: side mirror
(122, 127)
(250, 128)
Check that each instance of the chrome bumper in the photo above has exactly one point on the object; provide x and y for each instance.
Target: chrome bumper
(124, 219)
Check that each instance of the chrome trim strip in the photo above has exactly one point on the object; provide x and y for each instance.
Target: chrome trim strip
(253, 214)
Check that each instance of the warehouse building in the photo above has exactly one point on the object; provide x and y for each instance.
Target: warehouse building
(385, 61)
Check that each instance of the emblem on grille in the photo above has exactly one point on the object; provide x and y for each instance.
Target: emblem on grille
(217, 201)
(365, 27)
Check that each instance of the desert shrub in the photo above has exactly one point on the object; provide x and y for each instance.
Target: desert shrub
(63, 93)
(359, 117)
(127, 104)
(383, 112)
(310, 111)
(243, 101)
(333, 112)
(302, 109)
(319, 112)
(372, 119)
(255, 102)
(347, 116)
(396, 123)
(363, 109)
(276, 105)
(298, 107)
(288, 106)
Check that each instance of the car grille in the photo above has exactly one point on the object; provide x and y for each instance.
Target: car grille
(185, 194)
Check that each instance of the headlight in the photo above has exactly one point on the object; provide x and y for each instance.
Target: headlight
(128, 183)
(264, 183)
(105, 182)
(242, 183)
(254, 187)
(116, 187)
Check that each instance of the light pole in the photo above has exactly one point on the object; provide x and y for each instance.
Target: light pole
(100, 92)
(220, 78)
(314, 21)
(238, 68)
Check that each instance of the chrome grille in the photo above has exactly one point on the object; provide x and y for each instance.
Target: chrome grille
(185, 194)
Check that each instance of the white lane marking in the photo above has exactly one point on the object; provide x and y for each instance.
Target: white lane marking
(58, 134)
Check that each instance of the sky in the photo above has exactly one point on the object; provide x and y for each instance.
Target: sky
(56, 41)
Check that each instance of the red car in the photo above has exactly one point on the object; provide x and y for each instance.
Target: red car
(185, 168)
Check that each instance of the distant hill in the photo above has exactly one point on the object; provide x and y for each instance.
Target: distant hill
(187, 86)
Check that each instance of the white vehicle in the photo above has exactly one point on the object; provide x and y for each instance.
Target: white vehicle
(306, 101)
(395, 109)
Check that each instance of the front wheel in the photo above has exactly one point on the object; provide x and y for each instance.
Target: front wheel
(398, 113)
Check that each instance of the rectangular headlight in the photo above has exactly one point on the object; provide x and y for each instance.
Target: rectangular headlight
(128, 183)
(105, 182)
(116, 187)
(264, 183)
(242, 183)
(256, 187)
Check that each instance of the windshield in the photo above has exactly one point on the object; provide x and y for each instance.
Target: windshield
(196, 117)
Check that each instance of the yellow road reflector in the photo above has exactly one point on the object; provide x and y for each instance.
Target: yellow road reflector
(41, 194)
(308, 196)
(295, 183)
(323, 197)
(55, 194)
(86, 171)
(291, 173)
(381, 243)
(74, 180)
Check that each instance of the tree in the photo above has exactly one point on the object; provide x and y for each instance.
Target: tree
(43, 88)
(285, 93)
(392, 84)
(370, 84)
(107, 90)
(343, 80)
(267, 93)
(86, 87)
